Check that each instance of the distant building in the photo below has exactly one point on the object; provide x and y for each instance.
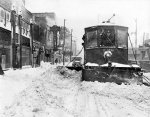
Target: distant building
(45, 21)
(50, 17)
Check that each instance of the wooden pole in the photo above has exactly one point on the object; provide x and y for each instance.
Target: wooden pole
(31, 43)
(64, 44)
(71, 46)
(136, 39)
(13, 48)
(20, 42)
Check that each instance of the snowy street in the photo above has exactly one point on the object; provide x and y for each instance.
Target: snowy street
(50, 92)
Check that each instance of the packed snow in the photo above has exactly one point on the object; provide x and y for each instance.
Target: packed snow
(51, 91)
(91, 64)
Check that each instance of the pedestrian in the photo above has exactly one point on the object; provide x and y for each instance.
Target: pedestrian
(56, 61)
(1, 70)
(38, 58)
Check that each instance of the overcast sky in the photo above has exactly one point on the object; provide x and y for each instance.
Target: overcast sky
(83, 13)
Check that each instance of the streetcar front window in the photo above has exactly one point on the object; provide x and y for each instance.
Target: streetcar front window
(106, 37)
(91, 38)
(122, 37)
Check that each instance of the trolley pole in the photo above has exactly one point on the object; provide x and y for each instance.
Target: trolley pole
(64, 44)
(71, 46)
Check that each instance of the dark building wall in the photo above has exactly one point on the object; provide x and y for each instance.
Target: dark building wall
(40, 29)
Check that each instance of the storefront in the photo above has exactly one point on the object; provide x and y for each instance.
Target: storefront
(25, 51)
(5, 37)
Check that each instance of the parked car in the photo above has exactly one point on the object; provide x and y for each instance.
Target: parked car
(76, 61)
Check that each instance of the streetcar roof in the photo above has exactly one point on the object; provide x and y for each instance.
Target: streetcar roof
(105, 25)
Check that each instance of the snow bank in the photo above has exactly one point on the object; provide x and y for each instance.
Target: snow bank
(45, 96)
(56, 94)
(15, 81)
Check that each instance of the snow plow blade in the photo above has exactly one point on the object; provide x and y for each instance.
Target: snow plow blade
(74, 68)
(127, 74)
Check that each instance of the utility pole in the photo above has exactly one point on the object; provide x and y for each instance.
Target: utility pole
(64, 44)
(31, 43)
(71, 46)
(20, 39)
(75, 47)
(143, 39)
(135, 39)
(13, 48)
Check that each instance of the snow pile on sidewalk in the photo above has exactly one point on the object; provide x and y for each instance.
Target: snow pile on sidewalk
(44, 97)
(60, 93)
(15, 81)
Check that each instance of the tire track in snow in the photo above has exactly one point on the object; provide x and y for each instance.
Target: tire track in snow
(56, 89)
(101, 107)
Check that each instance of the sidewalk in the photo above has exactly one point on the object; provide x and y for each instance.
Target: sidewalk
(15, 81)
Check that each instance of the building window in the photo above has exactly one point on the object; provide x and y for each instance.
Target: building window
(2, 15)
(7, 16)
